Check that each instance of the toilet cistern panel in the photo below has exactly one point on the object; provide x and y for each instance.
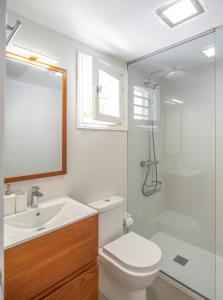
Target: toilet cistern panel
(111, 214)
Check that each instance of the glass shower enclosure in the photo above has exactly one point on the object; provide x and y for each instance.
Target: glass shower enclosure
(171, 158)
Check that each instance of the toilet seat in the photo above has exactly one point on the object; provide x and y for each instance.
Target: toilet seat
(133, 254)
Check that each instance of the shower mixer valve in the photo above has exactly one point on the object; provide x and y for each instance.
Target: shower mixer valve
(153, 185)
(148, 163)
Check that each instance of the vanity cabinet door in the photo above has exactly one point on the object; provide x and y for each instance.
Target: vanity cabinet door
(37, 265)
(83, 287)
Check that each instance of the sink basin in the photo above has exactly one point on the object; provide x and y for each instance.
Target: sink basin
(49, 216)
(35, 218)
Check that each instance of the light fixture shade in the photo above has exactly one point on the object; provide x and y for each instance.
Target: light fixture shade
(178, 11)
(33, 55)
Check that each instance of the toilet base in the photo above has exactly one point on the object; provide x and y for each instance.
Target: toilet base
(113, 291)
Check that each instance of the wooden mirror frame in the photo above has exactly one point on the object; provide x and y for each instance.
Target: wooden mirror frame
(63, 171)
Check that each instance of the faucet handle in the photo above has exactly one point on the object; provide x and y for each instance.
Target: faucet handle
(35, 188)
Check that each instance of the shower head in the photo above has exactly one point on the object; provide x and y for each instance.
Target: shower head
(169, 73)
(175, 74)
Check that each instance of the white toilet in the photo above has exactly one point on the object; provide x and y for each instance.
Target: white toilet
(128, 263)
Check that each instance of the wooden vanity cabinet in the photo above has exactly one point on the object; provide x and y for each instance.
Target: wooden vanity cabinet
(61, 265)
(83, 287)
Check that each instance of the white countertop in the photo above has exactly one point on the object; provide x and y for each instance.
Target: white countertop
(51, 215)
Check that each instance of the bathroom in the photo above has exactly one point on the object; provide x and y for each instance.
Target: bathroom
(102, 181)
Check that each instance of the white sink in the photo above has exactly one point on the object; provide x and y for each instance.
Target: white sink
(35, 218)
(49, 216)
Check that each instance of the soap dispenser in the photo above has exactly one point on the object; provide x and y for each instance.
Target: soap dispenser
(9, 201)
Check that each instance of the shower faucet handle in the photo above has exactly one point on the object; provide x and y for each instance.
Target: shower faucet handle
(148, 163)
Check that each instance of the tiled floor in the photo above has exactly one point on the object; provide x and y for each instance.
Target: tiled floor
(162, 290)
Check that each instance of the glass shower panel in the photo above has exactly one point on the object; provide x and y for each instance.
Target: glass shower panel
(171, 159)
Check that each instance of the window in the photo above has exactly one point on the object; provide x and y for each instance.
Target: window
(102, 101)
(146, 106)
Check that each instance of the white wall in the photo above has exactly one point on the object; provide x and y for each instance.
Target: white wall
(96, 159)
(2, 99)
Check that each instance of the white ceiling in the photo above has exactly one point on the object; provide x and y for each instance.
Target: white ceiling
(124, 28)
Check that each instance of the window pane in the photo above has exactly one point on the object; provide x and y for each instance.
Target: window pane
(109, 94)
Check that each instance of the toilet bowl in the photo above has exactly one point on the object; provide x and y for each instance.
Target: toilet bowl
(127, 266)
(129, 263)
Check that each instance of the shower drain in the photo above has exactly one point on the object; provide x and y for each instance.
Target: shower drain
(181, 260)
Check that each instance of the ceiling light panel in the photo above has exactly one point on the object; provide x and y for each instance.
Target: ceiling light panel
(209, 52)
(177, 101)
(179, 11)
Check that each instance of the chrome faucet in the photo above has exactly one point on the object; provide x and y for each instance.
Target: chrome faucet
(36, 194)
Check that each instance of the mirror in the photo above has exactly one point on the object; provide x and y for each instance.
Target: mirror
(35, 119)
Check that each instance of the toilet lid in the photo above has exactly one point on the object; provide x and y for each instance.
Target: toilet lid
(134, 252)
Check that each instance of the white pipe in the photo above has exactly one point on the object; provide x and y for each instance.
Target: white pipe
(13, 29)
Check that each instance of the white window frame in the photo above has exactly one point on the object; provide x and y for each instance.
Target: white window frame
(101, 121)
